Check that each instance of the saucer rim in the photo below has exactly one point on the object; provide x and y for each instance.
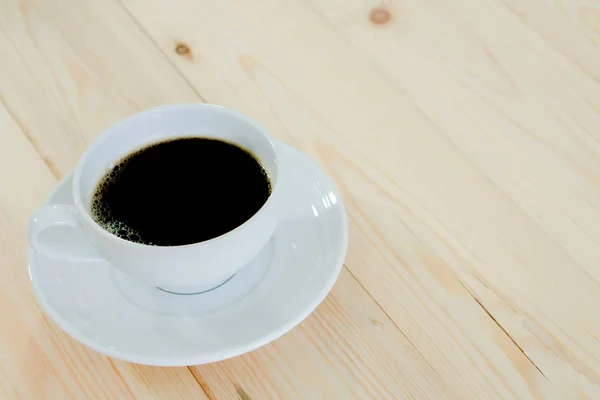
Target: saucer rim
(207, 357)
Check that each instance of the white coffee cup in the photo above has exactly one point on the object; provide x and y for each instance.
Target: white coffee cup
(181, 269)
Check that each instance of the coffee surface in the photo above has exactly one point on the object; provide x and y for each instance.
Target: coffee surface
(180, 191)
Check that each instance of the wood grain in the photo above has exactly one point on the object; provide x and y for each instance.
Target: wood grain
(72, 68)
(348, 348)
(61, 98)
(463, 136)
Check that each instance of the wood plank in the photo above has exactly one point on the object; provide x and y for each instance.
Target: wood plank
(37, 360)
(68, 70)
(347, 349)
(71, 68)
(427, 221)
(495, 98)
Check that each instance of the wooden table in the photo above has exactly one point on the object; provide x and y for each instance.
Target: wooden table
(464, 136)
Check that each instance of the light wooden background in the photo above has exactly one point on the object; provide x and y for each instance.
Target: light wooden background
(464, 135)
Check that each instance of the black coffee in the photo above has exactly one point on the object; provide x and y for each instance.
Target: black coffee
(180, 191)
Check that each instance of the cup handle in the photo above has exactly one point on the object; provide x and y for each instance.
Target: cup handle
(54, 215)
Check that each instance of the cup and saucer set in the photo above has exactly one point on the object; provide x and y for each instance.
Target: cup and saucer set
(180, 305)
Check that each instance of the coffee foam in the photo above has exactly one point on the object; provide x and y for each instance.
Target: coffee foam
(103, 215)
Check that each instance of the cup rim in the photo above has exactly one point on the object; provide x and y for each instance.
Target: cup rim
(76, 192)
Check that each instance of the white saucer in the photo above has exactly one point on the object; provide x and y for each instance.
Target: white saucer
(107, 311)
